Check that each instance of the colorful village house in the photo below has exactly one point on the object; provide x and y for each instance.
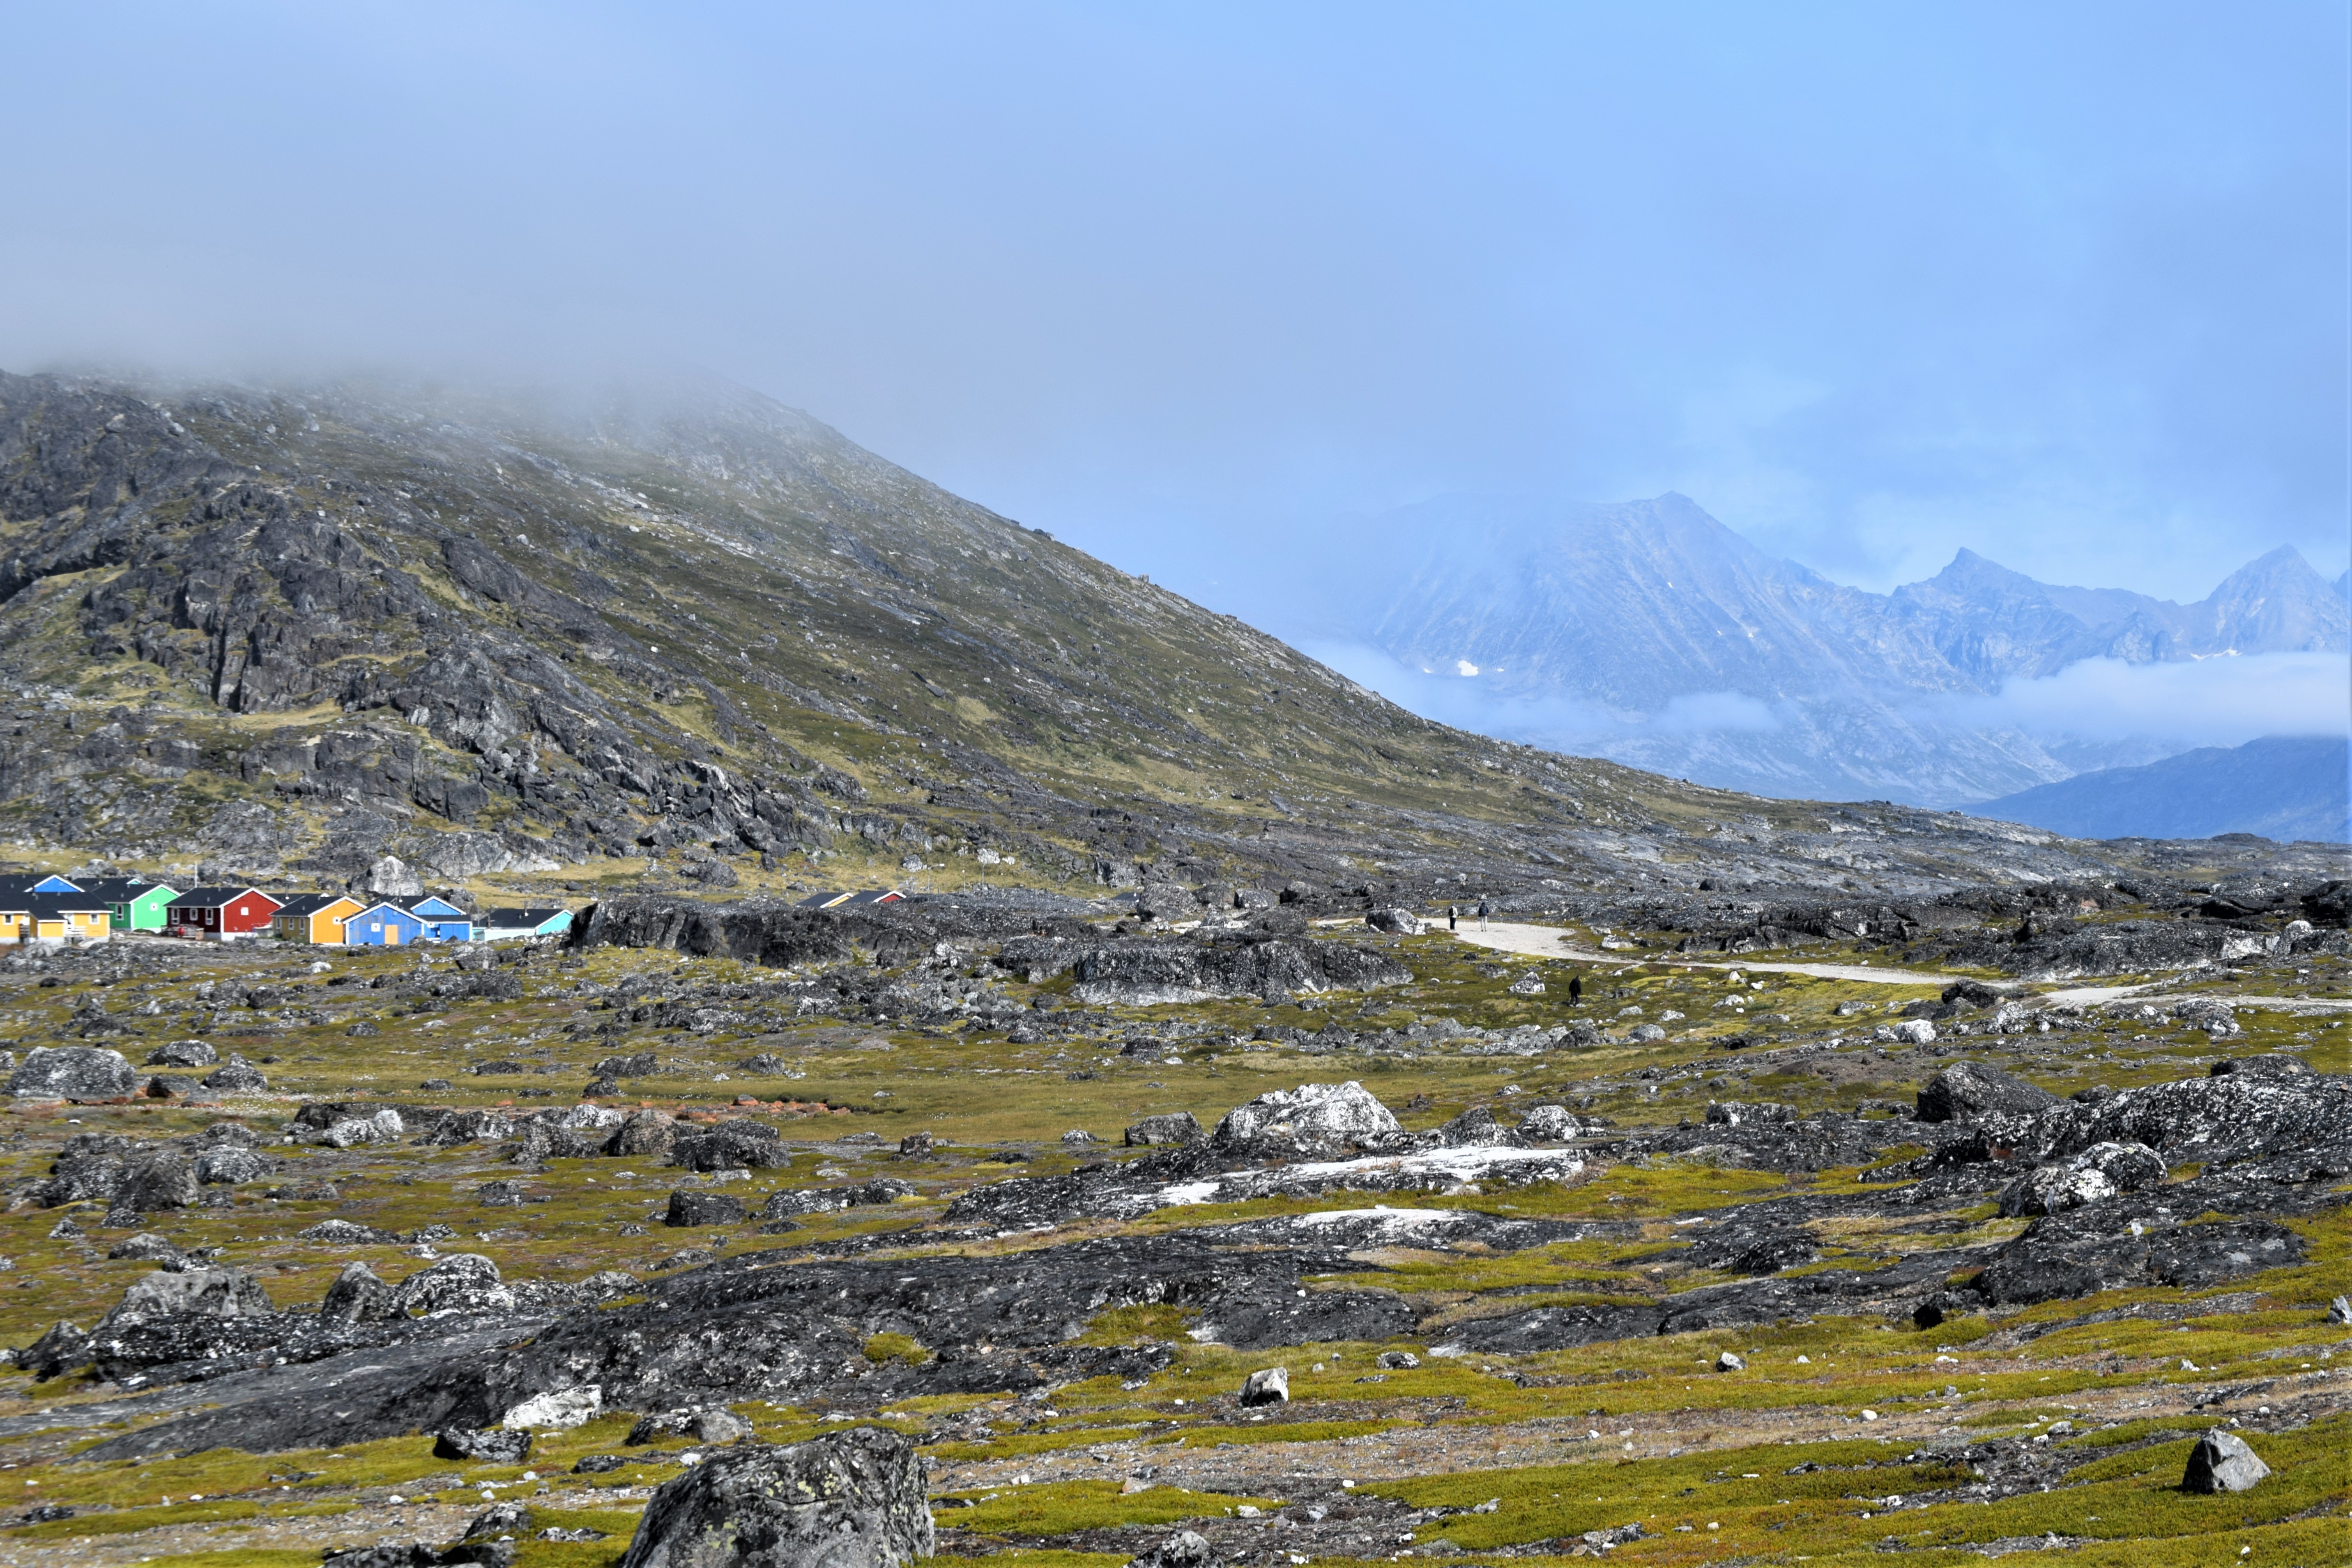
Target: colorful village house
(67, 916)
(443, 921)
(219, 914)
(383, 925)
(16, 914)
(507, 925)
(133, 903)
(314, 918)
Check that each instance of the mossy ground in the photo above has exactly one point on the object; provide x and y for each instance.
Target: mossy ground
(1569, 1440)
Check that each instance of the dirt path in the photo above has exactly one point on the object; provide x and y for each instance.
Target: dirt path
(1548, 942)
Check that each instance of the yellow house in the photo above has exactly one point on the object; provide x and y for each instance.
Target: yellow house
(315, 918)
(15, 925)
(65, 917)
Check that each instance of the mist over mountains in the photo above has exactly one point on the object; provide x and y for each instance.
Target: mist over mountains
(1649, 632)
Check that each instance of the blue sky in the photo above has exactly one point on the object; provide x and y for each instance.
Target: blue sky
(2066, 284)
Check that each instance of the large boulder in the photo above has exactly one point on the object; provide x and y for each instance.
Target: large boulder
(183, 1054)
(236, 1076)
(232, 1164)
(1965, 1090)
(357, 1296)
(846, 1499)
(155, 1178)
(2099, 1172)
(1176, 1127)
(83, 1074)
(90, 1165)
(1328, 1120)
(461, 1283)
(698, 1208)
(1402, 923)
(738, 1145)
(2220, 1462)
(643, 1132)
(197, 1293)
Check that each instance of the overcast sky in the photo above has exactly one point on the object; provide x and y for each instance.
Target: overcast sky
(2064, 283)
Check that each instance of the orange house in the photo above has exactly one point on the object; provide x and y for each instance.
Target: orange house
(314, 918)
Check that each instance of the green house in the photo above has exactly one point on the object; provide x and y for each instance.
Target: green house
(131, 904)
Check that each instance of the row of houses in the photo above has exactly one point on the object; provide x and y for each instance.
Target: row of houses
(56, 909)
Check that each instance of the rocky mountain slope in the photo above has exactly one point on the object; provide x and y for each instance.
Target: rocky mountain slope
(1649, 632)
(2285, 789)
(690, 634)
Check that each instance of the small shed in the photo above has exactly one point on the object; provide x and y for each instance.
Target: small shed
(507, 925)
(443, 921)
(219, 914)
(383, 925)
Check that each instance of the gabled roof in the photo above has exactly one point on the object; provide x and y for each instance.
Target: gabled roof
(437, 909)
(388, 906)
(216, 897)
(519, 916)
(876, 896)
(304, 905)
(122, 889)
(49, 906)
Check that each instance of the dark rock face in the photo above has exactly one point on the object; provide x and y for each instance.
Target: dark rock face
(1968, 1089)
(731, 1146)
(1140, 973)
(847, 1499)
(78, 1073)
(643, 1132)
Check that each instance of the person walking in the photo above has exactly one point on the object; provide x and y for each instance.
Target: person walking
(1575, 989)
(1453, 918)
(1481, 914)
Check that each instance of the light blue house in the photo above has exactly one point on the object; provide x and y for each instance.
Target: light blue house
(443, 921)
(383, 925)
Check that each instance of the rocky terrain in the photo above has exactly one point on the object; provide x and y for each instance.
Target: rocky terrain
(1164, 1179)
(1298, 1229)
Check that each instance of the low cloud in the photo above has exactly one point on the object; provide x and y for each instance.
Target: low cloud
(2222, 701)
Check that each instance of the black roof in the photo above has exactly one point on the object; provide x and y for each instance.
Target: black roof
(60, 903)
(519, 917)
(120, 889)
(212, 897)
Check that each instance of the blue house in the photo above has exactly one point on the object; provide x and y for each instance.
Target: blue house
(54, 885)
(443, 921)
(383, 925)
(505, 925)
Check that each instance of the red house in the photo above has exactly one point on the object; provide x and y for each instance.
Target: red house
(220, 914)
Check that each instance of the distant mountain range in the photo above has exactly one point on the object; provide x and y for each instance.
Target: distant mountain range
(1650, 633)
(2285, 788)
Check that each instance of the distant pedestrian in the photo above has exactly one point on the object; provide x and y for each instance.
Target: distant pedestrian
(1453, 918)
(1481, 914)
(1575, 989)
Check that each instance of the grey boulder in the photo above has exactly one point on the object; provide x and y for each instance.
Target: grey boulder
(1185, 1548)
(1176, 1127)
(1967, 1091)
(236, 1076)
(2222, 1463)
(846, 1499)
(2099, 1172)
(461, 1283)
(714, 1423)
(688, 1208)
(231, 1165)
(1317, 1119)
(79, 1073)
(197, 1293)
(183, 1054)
(1268, 1385)
(357, 1296)
(1402, 923)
